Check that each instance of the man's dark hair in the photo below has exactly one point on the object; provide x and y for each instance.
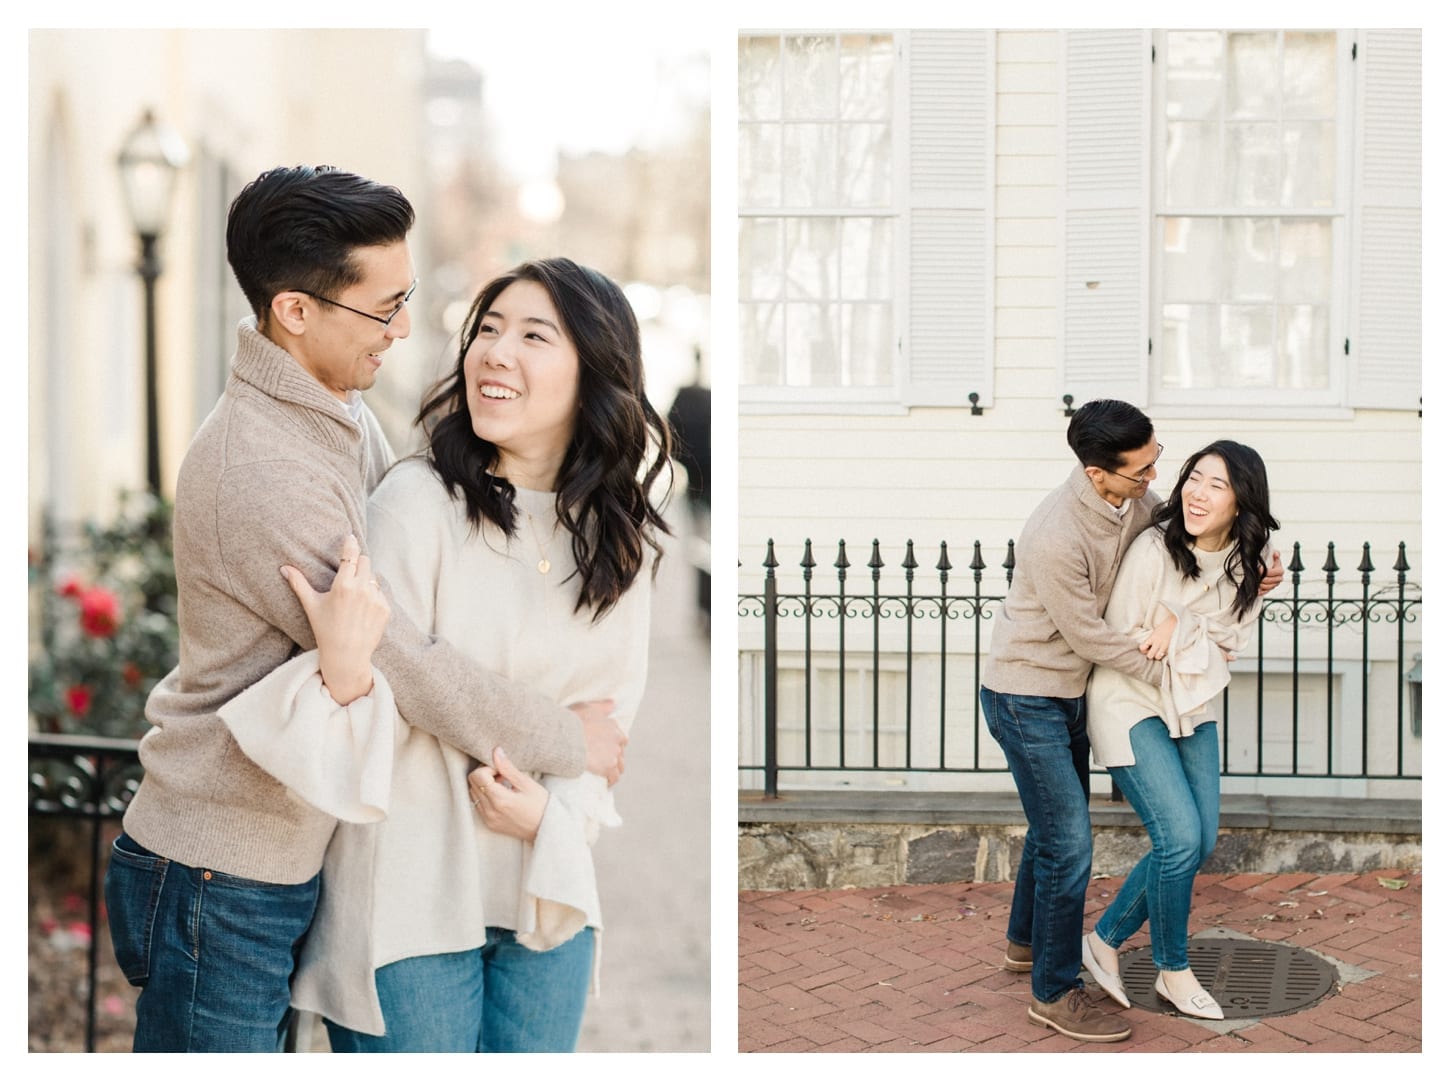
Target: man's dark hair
(297, 228)
(1103, 431)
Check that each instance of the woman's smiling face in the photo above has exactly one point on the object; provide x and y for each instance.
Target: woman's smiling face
(1209, 504)
(521, 374)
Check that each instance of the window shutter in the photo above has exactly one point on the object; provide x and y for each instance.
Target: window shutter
(948, 348)
(1385, 332)
(1105, 214)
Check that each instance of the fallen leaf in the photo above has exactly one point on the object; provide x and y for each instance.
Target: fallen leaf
(1393, 883)
(1288, 904)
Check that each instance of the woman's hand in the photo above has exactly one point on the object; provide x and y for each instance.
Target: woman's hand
(511, 802)
(348, 622)
(1156, 644)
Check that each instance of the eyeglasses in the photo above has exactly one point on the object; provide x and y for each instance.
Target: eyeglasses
(1141, 475)
(375, 318)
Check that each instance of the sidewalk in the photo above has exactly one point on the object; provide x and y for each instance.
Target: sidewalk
(918, 968)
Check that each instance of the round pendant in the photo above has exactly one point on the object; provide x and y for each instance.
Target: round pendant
(543, 566)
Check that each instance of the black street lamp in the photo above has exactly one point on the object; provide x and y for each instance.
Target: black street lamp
(149, 160)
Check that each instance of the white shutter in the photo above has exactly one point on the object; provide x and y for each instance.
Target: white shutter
(1105, 214)
(1385, 331)
(947, 351)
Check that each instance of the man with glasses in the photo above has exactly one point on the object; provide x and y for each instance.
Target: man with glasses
(213, 884)
(1050, 634)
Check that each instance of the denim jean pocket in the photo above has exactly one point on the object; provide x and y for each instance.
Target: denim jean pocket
(134, 881)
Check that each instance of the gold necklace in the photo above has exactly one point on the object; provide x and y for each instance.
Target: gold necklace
(543, 564)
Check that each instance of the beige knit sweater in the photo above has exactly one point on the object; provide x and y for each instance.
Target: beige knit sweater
(1051, 630)
(431, 878)
(279, 473)
(1148, 590)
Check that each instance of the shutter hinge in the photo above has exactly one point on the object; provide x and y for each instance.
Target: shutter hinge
(1346, 347)
(1150, 347)
(1354, 50)
(1152, 54)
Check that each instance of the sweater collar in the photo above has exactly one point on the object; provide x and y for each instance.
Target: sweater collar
(1082, 487)
(263, 364)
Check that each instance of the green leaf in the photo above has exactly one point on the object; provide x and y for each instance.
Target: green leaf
(1393, 883)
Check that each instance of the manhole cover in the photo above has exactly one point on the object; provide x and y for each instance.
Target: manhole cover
(1248, 979)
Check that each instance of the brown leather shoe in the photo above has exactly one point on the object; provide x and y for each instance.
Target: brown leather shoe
(1073, 1015)
(1019, 957)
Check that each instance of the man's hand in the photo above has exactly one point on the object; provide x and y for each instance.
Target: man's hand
(511, 802)
(348, 622)
(604, 740)
(1273, 576)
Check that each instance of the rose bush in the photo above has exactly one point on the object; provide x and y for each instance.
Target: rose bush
(103, 606)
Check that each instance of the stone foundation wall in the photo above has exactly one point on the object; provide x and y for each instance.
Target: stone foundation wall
(824, 855)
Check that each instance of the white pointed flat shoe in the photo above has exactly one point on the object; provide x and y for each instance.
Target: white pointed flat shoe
(1201, 1004)
(1113, 985)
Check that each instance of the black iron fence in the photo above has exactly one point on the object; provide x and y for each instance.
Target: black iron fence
(92, 779)
(883, 677)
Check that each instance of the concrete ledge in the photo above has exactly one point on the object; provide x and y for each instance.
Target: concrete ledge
(831, 839)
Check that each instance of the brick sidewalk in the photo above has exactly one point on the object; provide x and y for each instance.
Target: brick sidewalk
(918, 968)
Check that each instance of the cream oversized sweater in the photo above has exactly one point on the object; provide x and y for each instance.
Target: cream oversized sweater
(1148, 590)
(1051, 629)
(279, 473)
(431, 878)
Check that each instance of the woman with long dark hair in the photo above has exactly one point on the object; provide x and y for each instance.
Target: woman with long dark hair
(1189, 585)
(525, 534)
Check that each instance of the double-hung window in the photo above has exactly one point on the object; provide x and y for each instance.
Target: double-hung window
(1241, 218)
(863, 163)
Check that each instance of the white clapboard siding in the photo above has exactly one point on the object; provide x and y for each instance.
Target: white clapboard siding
(947, 351)
(1105, 129)
(1385, 327)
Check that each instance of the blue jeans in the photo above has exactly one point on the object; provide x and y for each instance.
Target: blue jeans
(1173, 785)
(213, 954)
(503, 997)
(1045, 741)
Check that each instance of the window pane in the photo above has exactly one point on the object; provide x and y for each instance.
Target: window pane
(866, 63)
(866, 259)
(1308, 164)
(758, 157)
(867, 336)
(810, 165)
(1190, 345)
(762, 266)
(1191, 259)
(812, 252)
(810, 78)
(1253, 164)
(1253, 76)
(1309, 75)
(1306, 262)
(1251, 256)
(865, 164)
(1193, 82)
(759, 74)
(1193, 166)
(762, 344)
(1247, 334)
(1303, 347)
(812, 347)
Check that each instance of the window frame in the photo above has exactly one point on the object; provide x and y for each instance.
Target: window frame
(1334, 394)
(757, 398)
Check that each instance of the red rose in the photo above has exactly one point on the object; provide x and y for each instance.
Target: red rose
(131, 674)
(100, 612)
(79, 699)
(69, 586)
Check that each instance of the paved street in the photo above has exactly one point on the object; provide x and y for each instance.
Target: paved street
(919, 968)
(654, 871)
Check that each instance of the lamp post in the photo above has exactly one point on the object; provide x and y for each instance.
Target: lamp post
(149, 160)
